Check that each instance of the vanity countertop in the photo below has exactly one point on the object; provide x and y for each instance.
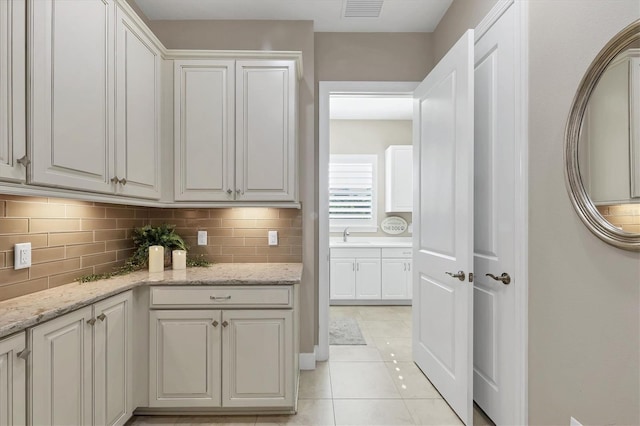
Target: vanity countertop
(374, 242)
(26, 311)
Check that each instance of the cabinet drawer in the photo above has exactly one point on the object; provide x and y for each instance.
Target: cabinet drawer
(404, 253)
(355, 252)
(219, 296)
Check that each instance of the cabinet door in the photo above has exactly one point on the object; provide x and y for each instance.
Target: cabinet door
(112, 360)
(266, 122)
(71, 81)
(184, 366)
(399, 178)
(368, 279)
(204, 130)
(13, 140)
(137, 111)
(394, 279)
(61, 385)
(13, 375)
(257, 358)
(343, 279)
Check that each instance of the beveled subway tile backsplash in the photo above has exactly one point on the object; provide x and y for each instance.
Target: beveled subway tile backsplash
(624, 216)
(73, 238)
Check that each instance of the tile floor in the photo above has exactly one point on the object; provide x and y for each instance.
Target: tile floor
(372, 384)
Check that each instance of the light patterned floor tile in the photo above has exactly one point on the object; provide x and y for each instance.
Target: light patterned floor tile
(411, 381)
(311, 412)
(394, 348)
(361, 380)
(371, 412)
(216, 421)
(387, 328)
(315, 384)
(432, 412)
(354, 353)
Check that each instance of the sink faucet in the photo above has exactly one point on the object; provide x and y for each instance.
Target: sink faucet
(345, 234)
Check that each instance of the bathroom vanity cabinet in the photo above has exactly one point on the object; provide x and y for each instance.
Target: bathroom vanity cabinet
(13, 365)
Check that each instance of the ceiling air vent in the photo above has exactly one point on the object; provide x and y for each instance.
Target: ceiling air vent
(362, 8)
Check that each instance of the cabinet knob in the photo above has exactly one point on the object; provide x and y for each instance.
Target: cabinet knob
(91, 321)
(102, 317)
(215, 323)
(24, 354)
(229, 191)
(115, 179)
(123, 181)
(224, 323)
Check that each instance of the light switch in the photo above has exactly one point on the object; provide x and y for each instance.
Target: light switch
(202, 238)
(273, 238)
(22, 256)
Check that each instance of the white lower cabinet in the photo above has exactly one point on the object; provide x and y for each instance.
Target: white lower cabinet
(13, 403)
(80, 367)
(241, 354)
(370, 274)
(185, 358)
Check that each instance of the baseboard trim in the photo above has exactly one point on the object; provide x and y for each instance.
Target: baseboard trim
(308, 360)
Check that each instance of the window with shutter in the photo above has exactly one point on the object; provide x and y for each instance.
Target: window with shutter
(352, 192)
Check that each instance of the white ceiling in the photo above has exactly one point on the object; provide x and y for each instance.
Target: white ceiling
(353, 107)
(396, 15)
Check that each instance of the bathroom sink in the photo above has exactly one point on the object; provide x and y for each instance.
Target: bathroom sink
(350, 243)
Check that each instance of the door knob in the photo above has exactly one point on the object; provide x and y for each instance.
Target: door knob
(505, 278)
(459, 275)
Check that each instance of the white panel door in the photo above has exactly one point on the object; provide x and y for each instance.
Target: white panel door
(266, 122)
(443, 221)
(13, 142)
(72, 93)
(394, 279)
(204, 106)
(494, 325)
(113, 353)
(13, 376)
(257, 358)
(61, 388)
(342, 281)
(137, 111)
(184, 354)
(368, 284)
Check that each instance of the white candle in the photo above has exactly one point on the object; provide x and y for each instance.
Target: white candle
(179, 259)
(156, 259)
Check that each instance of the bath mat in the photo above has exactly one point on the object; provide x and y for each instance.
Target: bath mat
(345, 331)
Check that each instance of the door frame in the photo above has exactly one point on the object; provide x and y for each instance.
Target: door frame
(325, 90)
(520, 161)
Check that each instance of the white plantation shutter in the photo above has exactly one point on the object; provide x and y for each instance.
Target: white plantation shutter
(352, 186)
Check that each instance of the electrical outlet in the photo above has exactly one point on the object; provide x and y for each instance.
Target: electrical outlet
(273, 238)
(202, 238)
(22, 256)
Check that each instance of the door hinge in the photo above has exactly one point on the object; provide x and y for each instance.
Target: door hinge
(470, 277)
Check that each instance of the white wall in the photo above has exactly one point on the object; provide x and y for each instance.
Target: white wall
(584, 295)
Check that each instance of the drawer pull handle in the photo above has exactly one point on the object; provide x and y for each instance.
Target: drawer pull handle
(24, 354)
(102, 317)
(215, 323)
(220, 297)
(224, 323)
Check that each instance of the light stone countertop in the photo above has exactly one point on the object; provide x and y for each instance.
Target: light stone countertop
(371, 242)
(26, 311)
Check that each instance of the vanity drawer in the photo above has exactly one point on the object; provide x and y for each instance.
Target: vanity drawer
(221, 296)
(401, 253)
(355, 252)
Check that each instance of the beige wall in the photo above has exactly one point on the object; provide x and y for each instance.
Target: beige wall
(461, 16)
(271, 35)
(372, 137)
(584, 295)
(373, 56)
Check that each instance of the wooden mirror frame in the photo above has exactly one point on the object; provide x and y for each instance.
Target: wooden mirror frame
(580, 199)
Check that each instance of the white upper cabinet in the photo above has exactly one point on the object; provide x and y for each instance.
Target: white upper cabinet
(12, 90)
(398, 179)
(235, 130)
(137, 111)
(204, 130)
(72, 94)
(94, 102)
(266, 117)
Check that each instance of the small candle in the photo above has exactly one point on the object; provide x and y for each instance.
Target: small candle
(156, 259)
(179, 260)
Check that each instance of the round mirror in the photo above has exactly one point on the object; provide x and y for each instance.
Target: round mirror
(602, 143)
